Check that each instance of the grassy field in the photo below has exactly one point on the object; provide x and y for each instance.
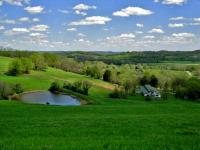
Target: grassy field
(108, 124)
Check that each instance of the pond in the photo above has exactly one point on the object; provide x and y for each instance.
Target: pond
(49, 98)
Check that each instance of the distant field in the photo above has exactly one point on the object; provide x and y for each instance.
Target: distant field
(107, 124)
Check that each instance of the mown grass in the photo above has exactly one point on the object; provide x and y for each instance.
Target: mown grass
(140, 125)
(108, 124)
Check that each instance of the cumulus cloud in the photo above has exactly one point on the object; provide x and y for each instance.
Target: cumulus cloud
(139, 25)
(8, 21)
(22, 30)
(132, 11)
(197, 19)
(72, 29)
(35, 19)
(176, 25)
(2, 27)
(39, 28)
(81, 8)
(34, 10)
(63, 11)
(24, 19)
(177, 18)
(183, 35)
(171, 2)
(156, 30)
(15, 2)
(149, 37)
(94, 20)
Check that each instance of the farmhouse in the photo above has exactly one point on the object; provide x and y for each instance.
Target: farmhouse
(148, 90)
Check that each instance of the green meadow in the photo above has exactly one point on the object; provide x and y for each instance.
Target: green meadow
(125, 124)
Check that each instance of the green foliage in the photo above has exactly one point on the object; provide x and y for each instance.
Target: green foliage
(151, 80)
(17, 88)
(107, 76)
(20, 66)
(187, 89)
(5, 90)
(27, 65)
(15, 67)
(55, 87)
(118, 93)
(38, 61)
(81, 87)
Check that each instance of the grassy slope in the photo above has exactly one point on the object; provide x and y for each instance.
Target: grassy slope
(125, 124)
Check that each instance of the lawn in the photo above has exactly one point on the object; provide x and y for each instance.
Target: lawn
(108, 124)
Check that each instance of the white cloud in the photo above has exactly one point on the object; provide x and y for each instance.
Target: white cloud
(129, 35)
(156, 30)
(176, 25)
(35, 19)
(197, 19)
(15, 2)
(81, 35)
(22, 30)
(2, 27)
(72, 29)
(174, 2)
(39, 28)
(63, 11)
(34, 10)
(80, 13)
(82, 7)
(9, 21)
(24, 19)
(183, 35)
(94, 20)
(139, 25)
(149, 37)
(177, 18)
(132, 11)
(37, 35)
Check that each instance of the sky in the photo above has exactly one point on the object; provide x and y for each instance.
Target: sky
(100, 25)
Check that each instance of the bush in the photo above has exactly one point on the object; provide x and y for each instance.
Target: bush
(107, 76)
(55, 87)
(5, 90)
(17, 88)
(81, 87)
(15, 68)
(118, 93)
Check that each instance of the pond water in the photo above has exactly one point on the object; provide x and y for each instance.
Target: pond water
(49, 98)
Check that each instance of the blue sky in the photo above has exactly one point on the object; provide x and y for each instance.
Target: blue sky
(100, 25)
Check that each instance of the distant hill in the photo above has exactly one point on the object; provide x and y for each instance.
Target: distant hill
(136, 57)
(116, 57)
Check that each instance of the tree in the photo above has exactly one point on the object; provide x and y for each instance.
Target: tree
(27, 65)
(38, 61)
(107, 75)
(55, 87)
(86, 85)
(153, 81)
(128, 86)
(15, 68)
(17, 88)
(144, 80)
(5, 90)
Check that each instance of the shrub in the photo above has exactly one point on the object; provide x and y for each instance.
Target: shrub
(118, 93)
(5, 90)
(55, 87)
(15, 68)
(17, 88)
(81, 87)
(107, 76)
